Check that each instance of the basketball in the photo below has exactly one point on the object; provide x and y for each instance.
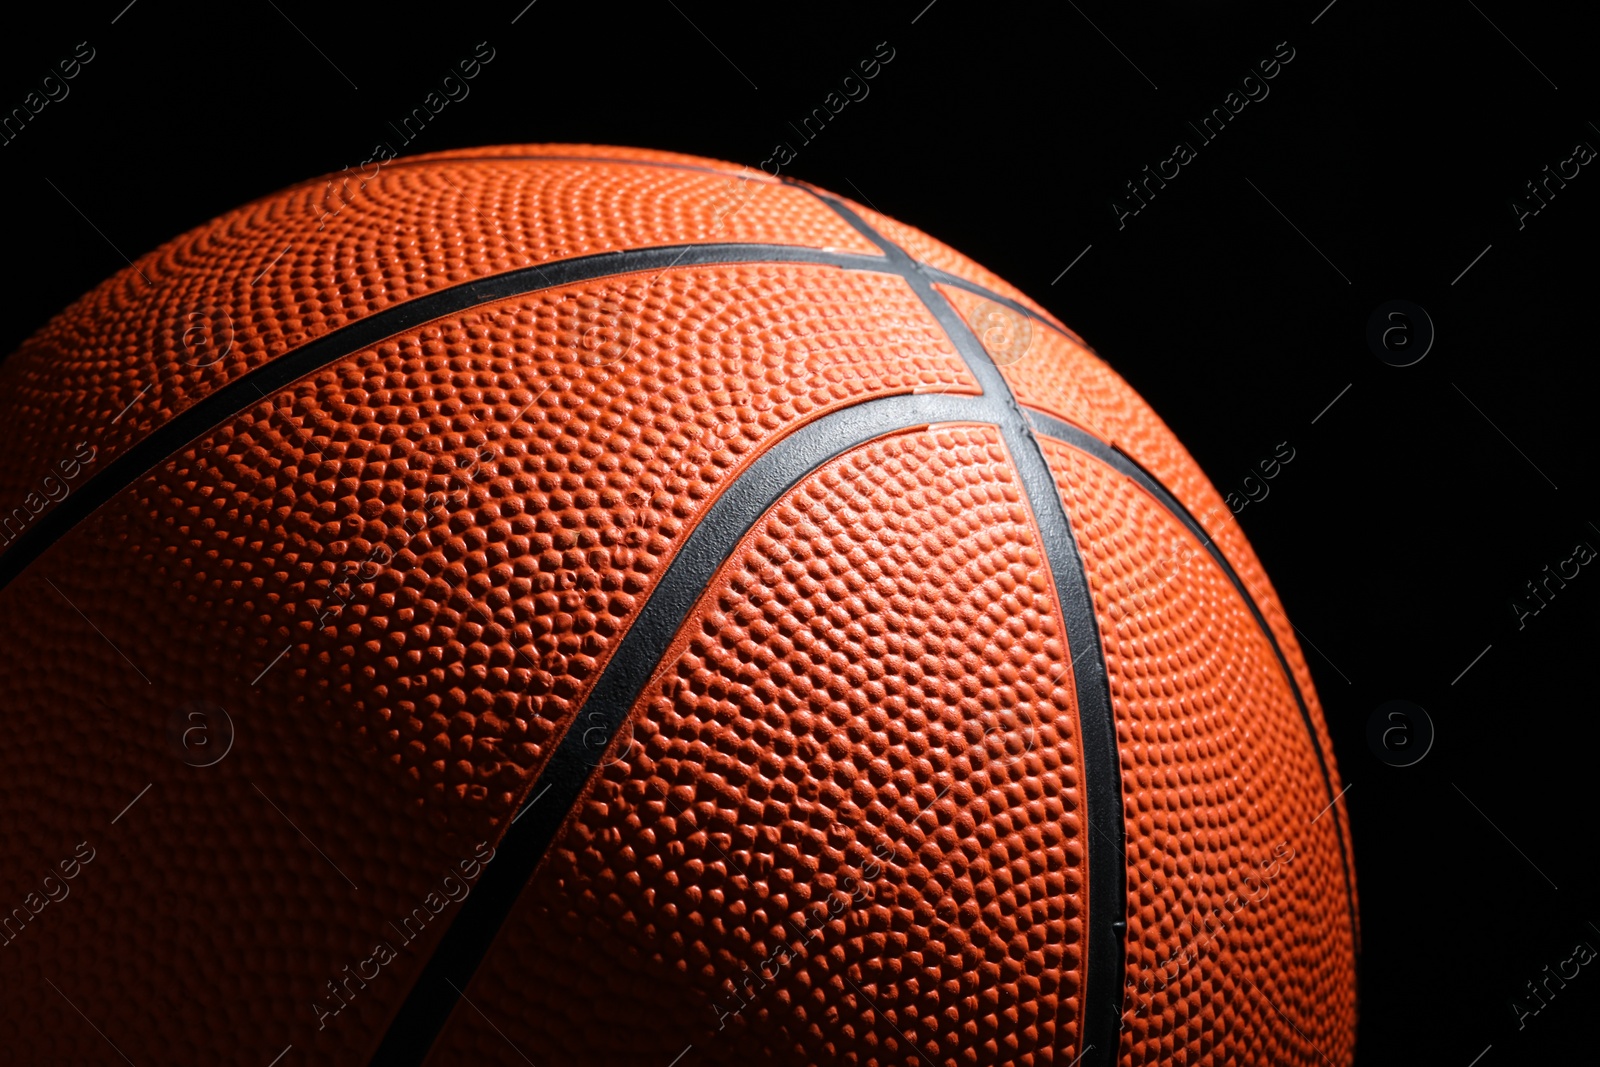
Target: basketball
(565, 604)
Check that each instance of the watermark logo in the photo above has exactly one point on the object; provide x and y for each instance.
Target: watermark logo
(1251, 88)
(52, 88)
(346, 986)
(851, 88)
(200, 733)
(207, 337)
(53, 889)
(1545, 986)
(1550, 582)
(1253, 489)
(1249, 888)
(1541, 190)
(1005, 334)
(53, 488)
(1400, 333)
(610, 321)
(1400, 733)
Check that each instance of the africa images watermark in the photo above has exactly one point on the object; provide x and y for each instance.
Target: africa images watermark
(452, 88)
(52, 88)
(1256, 489)
(1551, 983)
(341, 991)
(854, 888)
(852, 87)
(1156, 979)
(52, 488)
(12, 924)
(1551, 582)
(1252, 87)
(607, 334)
(1550, 182)
(850, 891)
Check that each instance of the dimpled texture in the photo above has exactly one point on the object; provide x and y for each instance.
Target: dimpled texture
(491, 539)
(649, 156)
(935, 253)
(398, 577)
(205, 926)
(1237, 910)
(845, 821)
(846, 825)
(1059, 375)
(250, 285)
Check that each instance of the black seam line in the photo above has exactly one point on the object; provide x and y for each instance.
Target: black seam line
(435, 994)
(1120, 461)
(1107, 924)
(241, 393)
(759, 176)
(562, 783)
(946, 278)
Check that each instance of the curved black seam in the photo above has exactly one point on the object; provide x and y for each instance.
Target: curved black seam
(944, 277)
(239, 394)
(1102, 997)
(1125, 464)
(941, 276)
(434, 994)
(433, 997)
(997, 406)
(665, 164)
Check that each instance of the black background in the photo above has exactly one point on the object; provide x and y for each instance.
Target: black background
(1416, 507)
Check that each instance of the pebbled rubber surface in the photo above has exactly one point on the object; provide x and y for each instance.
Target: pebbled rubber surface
(390, 586)
(1236, 892)
(1060, 376)
(935, 253)
(431, 649)
(610, 152)
(274, 274)
(846, 824)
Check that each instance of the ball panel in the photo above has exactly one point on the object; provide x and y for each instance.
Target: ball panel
(397, 730)
(618, 153)
(873, 706)
(442, 611)
(935, 253)
(242, 290)
(1062, 377)
(1237, 907)
(206, 924)
(506, 495)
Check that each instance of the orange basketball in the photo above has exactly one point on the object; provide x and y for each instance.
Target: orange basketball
(577, 605)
